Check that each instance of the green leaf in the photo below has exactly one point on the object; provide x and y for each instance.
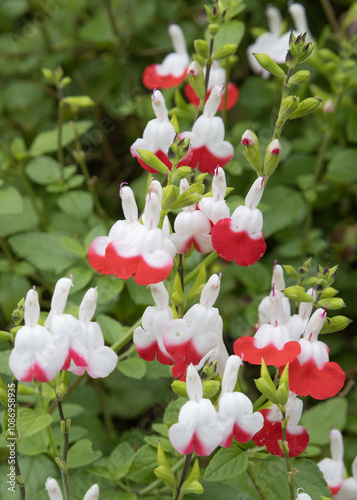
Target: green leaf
(11, 201)
(12, 288)
(111, 328)
(33, 445)
(272, 472)
(30, 421)
(109, 287)
(43, 250)
(320, 419)
(276, 219)
(47, 142)
(43, 170)
(15, 223)
(73, 245)
(227, 464)
(132, 367)
(81, 277)
(81, 454)
(229, 32)
(78, 204)
(342, 167)
(140, 295)
(143, 465)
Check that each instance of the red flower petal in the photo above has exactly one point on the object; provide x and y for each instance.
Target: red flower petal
(78, 360)
(35, 372)
(152, 80)
(232, 90)
(185, 351)
(247, 348)
(121, 267)
(147, 272)
(197, 447)
(320, 383)
(206, 161)
(148, 353)
(96, 255)
(238, 246)
(272, 432)
(179, 370)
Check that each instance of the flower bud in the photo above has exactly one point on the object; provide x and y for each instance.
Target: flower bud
(282, 392)
(196, 78)
(272, 157)
(288, 106)
(92, 493)
(251, 150)
(202, 49)
(306, 107)
(267, 63)
(53, 490)
(265, 384)
(213, 29)
(226, 51)
(299, 77)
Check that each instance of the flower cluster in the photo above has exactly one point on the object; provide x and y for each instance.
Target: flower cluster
(63, 343)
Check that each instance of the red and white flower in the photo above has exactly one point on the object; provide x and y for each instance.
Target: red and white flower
(348, 490)
(272, 341)
(36, 354)
(215, 206)
(148, 337)
(333, 468)
(240, 237)
(158, 135)
(54, 491)
(217, 76)
(311, 373)
(101, 359)
(209, 149)
(173, 69)
(235, 408)
(191, 227)
(271, 433)
(198, 428)
(190, 338)
(134, 249)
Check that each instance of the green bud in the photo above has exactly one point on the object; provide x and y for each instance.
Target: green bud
(82, 101)
(17, 314)
(61, 387)
(64, 82)
(4, 336)
(272, 157)
(192, 485)
(198, 285)
(227, 50)
(267, 63)
(202, 48)
(181, 173)
(48, 74)
(153, 161)
(189, 197)
(196, 79)
(251, 150)
(288, 106)
(297, 293)
(290, 60)
(166, 475)
(169, 196)
(335, 324)
(299, 77)
(329, 292)
(210, 388)
(291, 272)
(265, 384)
(25, 390)
(178, 297)
(213, 29)
(282, 391)
(306, 107)
(179, 387)
(332, 303)
(305, 268)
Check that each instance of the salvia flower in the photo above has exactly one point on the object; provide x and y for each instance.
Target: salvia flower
(198, 428)
(134, 249)
(272, 341)
(348, 490)
(333, 468)
(209, 149)
(215, 206)
(311, 373)
(302, 495)
(217, 76)
(240, 237)
(37, 354)
(158, 135)
(190, 338)
(271, 433)
(173, 69)
(191, 227)
(101, 359)
(148, 337)
(235, 408)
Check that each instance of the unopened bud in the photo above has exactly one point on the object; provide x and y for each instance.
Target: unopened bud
(251, 150)
(299, 77)
(329, 106)
(288, 106)
(202, 48)
(196, 79)
(272, 157)
(306, 107)
(267, 63)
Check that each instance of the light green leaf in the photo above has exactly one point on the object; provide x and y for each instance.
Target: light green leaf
(81, 454)
(111, 328)
(78, 204)
(15, 223)
(81, 278)
(43, 170)
(229, 32)
(73, 245)
(227, 464)
(30, 421)
(43, 250)
(276, 219)
(143, 465)
(11, 201)
(109, 288)
(320, 419)
(132, 367)
(47, 142)
(342, 167)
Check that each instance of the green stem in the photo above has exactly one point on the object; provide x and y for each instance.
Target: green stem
(183, 476)
(251, 475)
(279, 124)
(48, 429)
(208, 71)
(207, 261)
(126, 337)
(63, 463)
(5, 247)
(259, 402)
(108, 423)
(285, 450)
